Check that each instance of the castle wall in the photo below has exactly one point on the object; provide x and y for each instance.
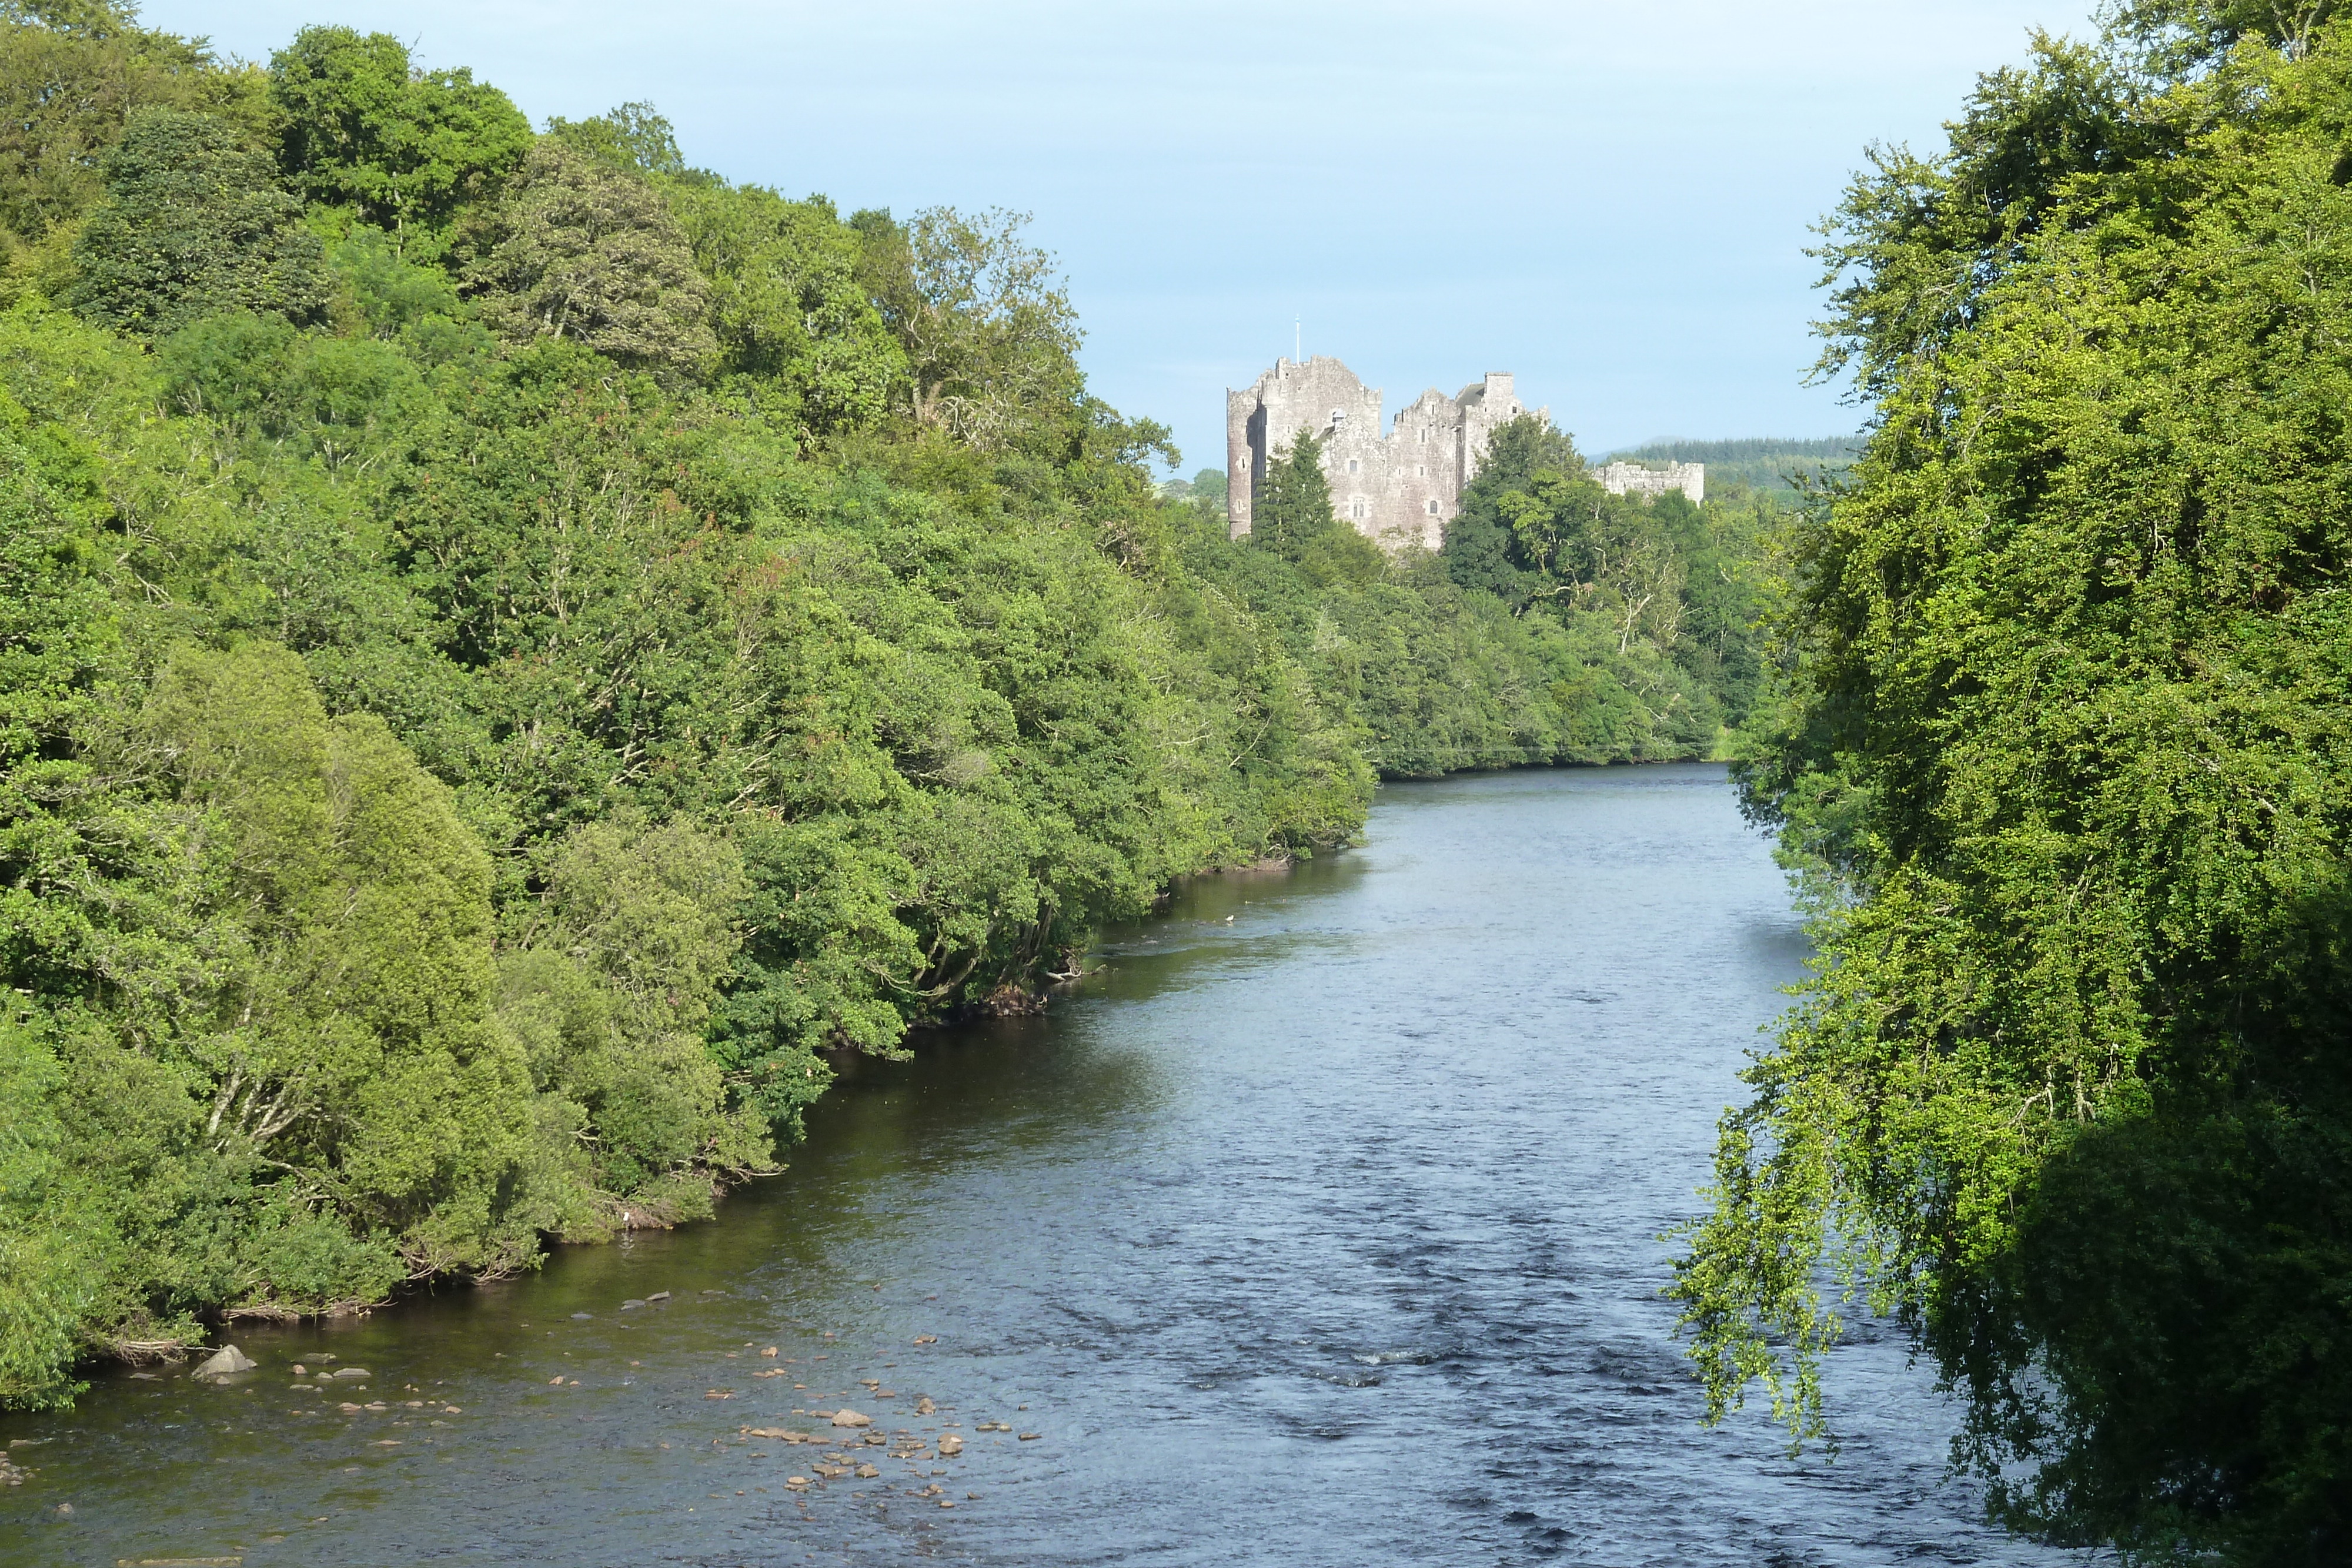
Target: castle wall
(1401, 485)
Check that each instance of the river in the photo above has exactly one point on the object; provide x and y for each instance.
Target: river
(1319, 1227)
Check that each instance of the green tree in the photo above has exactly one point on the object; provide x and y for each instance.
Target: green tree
(990, 338)
(1725, 590)
(1917, 244)
(582, 252)
(1634, 575)
(2181, 35)
(796, 329)
(337, 399)
(1291, 516)
(1480, 549)
(45, 1268)
(70, 75)
(608, 980)
(1207, 488)
(192, 224)
(787, 305)
(61, 658)
(351, 1039)
(360, 128)
(632, 136)
(397, 299)
(1292, 507)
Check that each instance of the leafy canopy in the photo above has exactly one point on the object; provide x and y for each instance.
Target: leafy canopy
(192, 224)
(360, 128)
(582, 251)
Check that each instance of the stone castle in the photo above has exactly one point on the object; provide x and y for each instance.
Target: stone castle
(1401, 485)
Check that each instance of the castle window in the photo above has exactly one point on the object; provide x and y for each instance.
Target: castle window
(1432, 509)
(1420, 470)
(1354, 466)
(1339, 416)
(1425, 435)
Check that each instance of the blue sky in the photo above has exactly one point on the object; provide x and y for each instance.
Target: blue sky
(1612, 200)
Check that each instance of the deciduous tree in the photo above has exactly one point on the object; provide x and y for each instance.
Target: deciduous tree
(580, 251)
(361, 129)
(193, 224)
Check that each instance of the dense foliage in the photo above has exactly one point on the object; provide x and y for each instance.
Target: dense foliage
(2061, 742)
(514, 651)
(1655, 601)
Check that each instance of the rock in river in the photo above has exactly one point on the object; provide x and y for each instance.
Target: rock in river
(851, 1419)
(225, 1363)
(950, 1446)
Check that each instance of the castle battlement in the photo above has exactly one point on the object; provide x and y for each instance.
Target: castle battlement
(1399, 486)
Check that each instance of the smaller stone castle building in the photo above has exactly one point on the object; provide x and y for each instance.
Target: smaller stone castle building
(1400, 485)
(1621, 478)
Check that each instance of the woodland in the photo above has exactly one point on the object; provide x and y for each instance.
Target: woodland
(519, 655)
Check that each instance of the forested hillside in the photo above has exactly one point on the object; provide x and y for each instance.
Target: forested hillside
(2059, 735)
(516, 652)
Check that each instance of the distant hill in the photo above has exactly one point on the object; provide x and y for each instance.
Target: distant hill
(1764, 461)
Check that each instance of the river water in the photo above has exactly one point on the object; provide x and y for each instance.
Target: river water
(1319, 1227)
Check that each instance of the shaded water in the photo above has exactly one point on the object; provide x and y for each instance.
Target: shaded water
(1319, 1229)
